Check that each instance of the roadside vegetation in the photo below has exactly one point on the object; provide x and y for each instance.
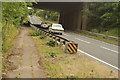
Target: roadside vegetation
(48, 21)
(34, 33)
(116, 42)
(57, 64)
(103, 18)
(14, 14)
(46, 16)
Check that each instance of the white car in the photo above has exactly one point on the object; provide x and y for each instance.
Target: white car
(44, 25)
(56, 28)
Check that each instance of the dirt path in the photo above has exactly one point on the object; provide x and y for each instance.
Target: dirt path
(25, 58)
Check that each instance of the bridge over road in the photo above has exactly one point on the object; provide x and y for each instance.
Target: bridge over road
(70, 13)
(101, 51)
(71, 18)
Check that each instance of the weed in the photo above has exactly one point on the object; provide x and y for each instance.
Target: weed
(51, 43)
(34, 33)
(95, 30)
(111, 72)
(92, 70)
(6, 46)
(52, 54)
(42, 37)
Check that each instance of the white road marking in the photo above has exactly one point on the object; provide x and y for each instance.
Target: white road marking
(99, 59)
(95, 39)
(98, 41)
(109, 49)
(82, 40)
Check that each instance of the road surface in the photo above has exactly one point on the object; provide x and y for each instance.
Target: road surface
(34, 20)
(99, 50)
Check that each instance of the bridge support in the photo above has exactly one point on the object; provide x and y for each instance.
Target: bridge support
(71, 20)
(71, 16)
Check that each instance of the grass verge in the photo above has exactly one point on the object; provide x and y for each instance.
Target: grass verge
(9, 33)
(57, 64)
(100, 38)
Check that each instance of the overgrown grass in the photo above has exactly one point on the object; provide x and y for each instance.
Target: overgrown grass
(64, 65)
(51, 42)
(34, 33)
(42, 37)
(0, 37)
(9, 33)
(111, 32)
(52, 54)
(100, 38)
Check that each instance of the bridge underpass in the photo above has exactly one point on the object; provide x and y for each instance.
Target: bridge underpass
(70, 13)
(71, 18)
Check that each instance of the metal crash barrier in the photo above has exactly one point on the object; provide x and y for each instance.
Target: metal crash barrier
(68, 46)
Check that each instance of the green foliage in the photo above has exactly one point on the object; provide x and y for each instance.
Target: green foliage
(52, 54)
(13, 15)
(112, 32)
(42, 37)
(51, 43)
(6, 47)
(10, 32)
(48, 15)
(14, 12)
(103, 17)
(95, 30)
(34, 33)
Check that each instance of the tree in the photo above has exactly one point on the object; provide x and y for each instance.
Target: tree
(104, 17)
(52, 15)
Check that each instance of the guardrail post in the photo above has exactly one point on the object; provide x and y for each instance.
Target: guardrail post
(50, 35)
(62, 44)
(58, 41)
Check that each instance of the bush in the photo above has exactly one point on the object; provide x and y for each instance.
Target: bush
(113, 32)
(51, 43)
(95, 30)
(42, 37)
(34, 33)
(52, 54)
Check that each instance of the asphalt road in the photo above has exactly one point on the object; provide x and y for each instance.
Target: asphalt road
(99, 50)
(34, 20)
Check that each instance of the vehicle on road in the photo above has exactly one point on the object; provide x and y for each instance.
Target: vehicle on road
(56, 28)
(44, 25)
